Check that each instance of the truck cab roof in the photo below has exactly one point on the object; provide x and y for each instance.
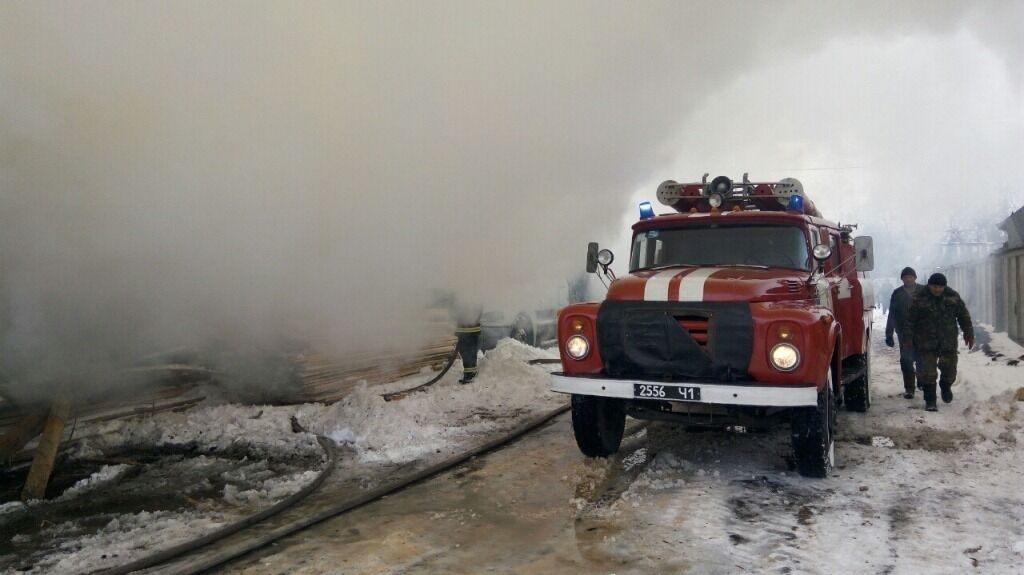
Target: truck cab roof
(729, 217)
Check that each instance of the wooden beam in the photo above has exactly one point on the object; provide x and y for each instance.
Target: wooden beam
(46, 452)
(18, 435)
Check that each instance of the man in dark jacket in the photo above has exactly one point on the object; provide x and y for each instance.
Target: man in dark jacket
(931, 329)
(899, 307)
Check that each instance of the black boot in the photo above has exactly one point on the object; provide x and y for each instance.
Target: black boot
(947, 392)
(908, 385)
(929, 398)
(468, 377)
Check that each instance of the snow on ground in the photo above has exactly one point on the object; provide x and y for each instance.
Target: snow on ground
(447, 416)
(913, 492)
(259, 431)
(243, 458)
(121, 540)
(107, 474)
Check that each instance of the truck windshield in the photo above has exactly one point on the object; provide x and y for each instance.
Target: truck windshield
(766, 245)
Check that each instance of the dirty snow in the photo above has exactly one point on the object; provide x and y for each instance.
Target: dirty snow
(445, 418)
(913, 492)
(442, 418)
(124, 539)
(106, 474)
(269, 488)
(260, 431)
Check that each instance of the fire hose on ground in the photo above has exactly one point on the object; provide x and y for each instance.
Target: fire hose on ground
(339, 508)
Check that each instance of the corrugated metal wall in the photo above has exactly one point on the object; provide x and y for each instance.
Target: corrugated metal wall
(1012, 265)
(993, 289)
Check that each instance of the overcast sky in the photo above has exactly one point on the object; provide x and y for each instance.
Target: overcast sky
(183, 171)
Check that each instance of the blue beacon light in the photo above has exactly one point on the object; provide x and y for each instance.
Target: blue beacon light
(646, 210)
(796, 204)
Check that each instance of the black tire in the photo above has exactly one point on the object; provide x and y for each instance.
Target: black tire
(813, 432)
(598, 423)
(857, 394)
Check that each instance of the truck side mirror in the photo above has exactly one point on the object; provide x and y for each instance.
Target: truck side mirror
(592, 257)
(863, 246)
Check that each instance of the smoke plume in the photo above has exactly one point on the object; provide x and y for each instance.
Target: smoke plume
(251, 174)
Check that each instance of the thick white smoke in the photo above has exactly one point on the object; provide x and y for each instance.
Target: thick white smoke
(253, 173)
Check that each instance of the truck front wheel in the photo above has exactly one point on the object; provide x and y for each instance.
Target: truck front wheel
(813, 431)
(598, 423)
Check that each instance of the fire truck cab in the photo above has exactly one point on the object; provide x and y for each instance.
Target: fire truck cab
(743, 307)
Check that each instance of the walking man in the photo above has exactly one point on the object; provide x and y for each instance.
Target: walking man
(931, 331)
(899, 308)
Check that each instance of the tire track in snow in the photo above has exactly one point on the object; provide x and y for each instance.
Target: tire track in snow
(766, 524)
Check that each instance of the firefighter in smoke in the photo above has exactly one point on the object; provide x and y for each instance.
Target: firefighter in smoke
(931, 330)
(467, 331)
(899, 307)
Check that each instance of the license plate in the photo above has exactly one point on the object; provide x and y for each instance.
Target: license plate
(670, 392)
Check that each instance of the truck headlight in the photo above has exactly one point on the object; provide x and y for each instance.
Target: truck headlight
(785, 357)
(577, 347)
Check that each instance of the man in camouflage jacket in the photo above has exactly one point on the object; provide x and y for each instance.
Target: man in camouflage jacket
(931, 329)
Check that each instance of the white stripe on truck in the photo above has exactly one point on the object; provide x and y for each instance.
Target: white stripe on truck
(656, 288)
(692, 286)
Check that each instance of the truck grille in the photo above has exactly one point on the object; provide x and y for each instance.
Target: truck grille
(675, 340)
(697, 327)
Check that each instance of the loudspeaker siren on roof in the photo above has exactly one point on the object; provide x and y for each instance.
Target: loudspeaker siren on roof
(722, 192)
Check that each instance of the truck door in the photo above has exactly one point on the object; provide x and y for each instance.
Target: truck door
(848, 298)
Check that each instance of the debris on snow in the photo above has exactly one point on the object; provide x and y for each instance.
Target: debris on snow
(882, 441)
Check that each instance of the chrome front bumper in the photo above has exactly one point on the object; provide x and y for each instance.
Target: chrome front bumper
(717, 393)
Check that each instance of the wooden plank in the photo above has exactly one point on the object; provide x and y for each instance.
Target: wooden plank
(144, 410)
(46, 452)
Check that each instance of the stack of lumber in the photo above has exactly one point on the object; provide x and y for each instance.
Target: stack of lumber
(326, 380)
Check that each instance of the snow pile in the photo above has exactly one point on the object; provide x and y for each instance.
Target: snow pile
(397, 431)
(443, 415)
(990, 382)
(259, 431)
(106, 474)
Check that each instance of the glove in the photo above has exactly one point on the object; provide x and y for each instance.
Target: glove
(969, 340)
(889, 341)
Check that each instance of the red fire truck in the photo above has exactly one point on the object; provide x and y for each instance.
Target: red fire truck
(744, 307)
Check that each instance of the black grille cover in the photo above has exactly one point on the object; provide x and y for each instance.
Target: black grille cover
(644, 339)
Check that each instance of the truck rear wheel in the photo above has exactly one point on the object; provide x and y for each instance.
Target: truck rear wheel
(813, 433)
(857, 394)
(598, 423)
